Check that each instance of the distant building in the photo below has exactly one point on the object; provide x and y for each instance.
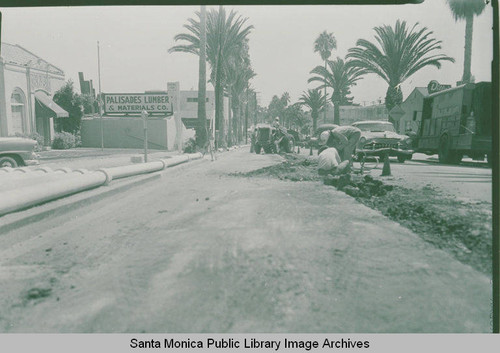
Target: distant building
(86, 87)
(352, 113)
(168, 132)
(185, 104)
(408, 115)
(27, 83)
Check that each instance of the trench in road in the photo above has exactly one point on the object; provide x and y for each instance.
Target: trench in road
(259, 255)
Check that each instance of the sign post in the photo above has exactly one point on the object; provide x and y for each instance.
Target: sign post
(100, 95)
(144, 115)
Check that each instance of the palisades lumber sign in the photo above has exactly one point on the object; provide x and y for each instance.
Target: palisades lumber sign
(123, 103)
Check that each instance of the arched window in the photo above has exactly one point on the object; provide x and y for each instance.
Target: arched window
(18, 107)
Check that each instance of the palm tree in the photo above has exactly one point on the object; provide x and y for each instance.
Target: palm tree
(224, 34)
(202, 82)
(238, 94)
(315, 101)
(466, 9)
(324, 44)
(239, 73)
(340, 77)
(401, 52)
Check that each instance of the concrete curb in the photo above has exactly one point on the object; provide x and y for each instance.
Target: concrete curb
(69, 203)
(16, 199)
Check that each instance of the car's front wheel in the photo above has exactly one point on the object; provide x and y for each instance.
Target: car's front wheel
(7, 161)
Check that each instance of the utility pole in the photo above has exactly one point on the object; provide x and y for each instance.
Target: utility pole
(246, 119)
(100, 95)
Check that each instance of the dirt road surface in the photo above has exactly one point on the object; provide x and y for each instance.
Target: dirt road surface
(201, 250)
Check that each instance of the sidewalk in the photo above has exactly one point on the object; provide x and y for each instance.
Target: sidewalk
(95, 158)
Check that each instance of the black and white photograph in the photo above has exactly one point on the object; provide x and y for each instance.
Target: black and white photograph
(336, 179)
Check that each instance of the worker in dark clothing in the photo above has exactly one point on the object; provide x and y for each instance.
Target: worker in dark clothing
(344, 139)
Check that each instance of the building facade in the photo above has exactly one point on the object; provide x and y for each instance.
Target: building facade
(408, 115)
(185, 104)
(27, 83)
(351, 113)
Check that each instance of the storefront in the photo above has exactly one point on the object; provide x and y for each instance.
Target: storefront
(27, 83)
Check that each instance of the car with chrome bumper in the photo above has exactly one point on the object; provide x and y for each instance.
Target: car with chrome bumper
(17, 152)
(379, 138)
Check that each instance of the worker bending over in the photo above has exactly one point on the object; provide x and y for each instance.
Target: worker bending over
(344, 139)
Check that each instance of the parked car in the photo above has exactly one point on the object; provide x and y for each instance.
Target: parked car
(314, 140)
(377, 135)
(17, 152)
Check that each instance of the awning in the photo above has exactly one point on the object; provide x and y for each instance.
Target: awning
(46, 101)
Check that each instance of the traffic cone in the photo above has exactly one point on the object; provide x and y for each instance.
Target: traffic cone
(386, 170)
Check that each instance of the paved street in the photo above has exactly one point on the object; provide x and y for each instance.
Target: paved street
(201, 250)
(469, 181)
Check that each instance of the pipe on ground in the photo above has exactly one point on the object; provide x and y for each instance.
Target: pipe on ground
(19, 180)
(67, 183)
(17, 199)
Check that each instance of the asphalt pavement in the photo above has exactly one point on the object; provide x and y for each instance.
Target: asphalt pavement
(204, 250)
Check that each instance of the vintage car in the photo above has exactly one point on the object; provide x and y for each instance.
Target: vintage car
(314, 140)
(17, 152)
(379, 137)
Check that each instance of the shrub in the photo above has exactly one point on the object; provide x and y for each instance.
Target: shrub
(78, 139)
(64, 140)
(190, 146)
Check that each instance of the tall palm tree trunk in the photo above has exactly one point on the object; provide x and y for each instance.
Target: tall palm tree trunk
(469, 22)
(393, 97)
(234, 107)
(336, 113)
(324, 113)
(219, 112)
(202, 83)
(314, 116)
(230, 139)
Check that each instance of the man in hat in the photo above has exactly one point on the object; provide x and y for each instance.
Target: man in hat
(343, 138)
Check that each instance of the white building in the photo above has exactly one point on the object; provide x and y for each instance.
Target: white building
(408, 115)
(351, 113)
(185, 104)
(27, 83)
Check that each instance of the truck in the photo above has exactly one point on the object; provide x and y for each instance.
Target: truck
(456, 122)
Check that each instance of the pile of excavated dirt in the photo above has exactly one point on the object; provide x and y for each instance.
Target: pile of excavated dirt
(295, 168)
(462, 229)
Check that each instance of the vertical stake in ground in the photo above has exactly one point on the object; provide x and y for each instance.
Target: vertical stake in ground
(144, 115)
(386, 170)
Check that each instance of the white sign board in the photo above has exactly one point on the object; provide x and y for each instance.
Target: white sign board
(122, 103)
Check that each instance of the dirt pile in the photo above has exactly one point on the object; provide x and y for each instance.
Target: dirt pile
(295, 168)
(462, 229)
(357, 185)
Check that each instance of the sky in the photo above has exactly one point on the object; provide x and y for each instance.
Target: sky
(134, 43)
